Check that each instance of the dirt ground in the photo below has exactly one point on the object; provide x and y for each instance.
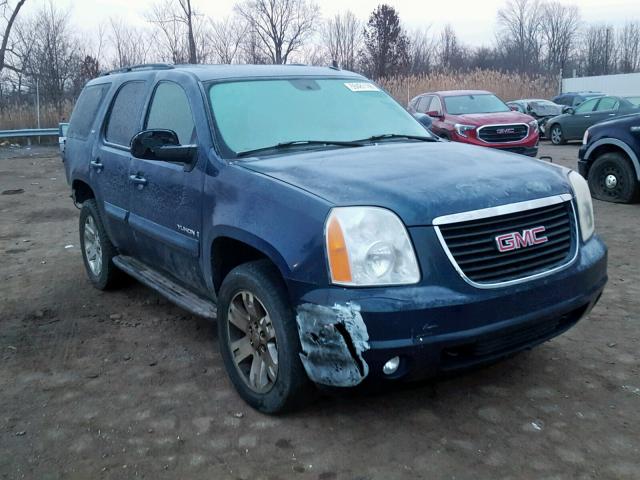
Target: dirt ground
(122, 384)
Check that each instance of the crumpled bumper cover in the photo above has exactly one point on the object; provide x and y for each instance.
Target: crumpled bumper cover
(348, 334)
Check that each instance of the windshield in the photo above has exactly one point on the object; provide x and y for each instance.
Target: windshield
(258, 114)
(483, 103)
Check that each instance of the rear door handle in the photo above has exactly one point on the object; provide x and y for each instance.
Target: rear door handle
(97, 165)
(139, 181)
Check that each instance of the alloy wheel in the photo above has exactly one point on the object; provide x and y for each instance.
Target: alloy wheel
(92, 246)
(252, 341)
(556, 135)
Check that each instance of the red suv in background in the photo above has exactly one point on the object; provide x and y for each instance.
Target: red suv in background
(479, 118)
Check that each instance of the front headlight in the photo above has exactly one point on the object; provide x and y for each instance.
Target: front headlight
(369, 246)
(463, 129)
(534, 125)
(584, 204)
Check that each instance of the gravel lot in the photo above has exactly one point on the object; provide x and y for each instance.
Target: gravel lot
(124, 385)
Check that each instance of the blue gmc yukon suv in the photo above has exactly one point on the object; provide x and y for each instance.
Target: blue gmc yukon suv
(336, 240)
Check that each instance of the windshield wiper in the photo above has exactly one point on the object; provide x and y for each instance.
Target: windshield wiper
(391, 136)
(297, 143)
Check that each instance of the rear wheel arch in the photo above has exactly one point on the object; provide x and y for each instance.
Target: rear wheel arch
(81, 192)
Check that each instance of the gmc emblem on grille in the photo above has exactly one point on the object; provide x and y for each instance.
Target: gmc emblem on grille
(516, 240)
(505, 131)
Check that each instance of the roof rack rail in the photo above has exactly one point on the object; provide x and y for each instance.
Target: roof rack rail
(143, 66)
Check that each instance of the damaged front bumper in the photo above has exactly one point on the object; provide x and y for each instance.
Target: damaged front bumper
(348, 334)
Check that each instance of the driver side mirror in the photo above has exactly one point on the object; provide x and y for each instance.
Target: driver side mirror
(570, 110)
(425, 120)
(435, 114)
(162, 145)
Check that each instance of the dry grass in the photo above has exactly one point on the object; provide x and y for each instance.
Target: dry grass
(508, 86)
(16, 116)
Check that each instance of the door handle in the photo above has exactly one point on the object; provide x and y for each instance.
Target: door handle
(587, 116)
(97, 165)
(139, 181)
(612, 114)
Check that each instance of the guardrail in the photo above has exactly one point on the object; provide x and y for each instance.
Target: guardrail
(29, 132)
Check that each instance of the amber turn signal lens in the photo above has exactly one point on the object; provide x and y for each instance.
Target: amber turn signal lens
(338, 255)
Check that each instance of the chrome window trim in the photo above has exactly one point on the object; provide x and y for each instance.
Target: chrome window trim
(504, 210)
(503, 125)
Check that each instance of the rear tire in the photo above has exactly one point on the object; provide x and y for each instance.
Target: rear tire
(259, 340)
(97, 249)
(612, 178)
(556, 135)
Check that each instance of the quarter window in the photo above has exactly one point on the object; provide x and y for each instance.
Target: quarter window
(124, 119)
(84, 113)
(608, 103)
(170, 110)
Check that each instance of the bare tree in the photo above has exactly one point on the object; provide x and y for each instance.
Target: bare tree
(342, 38)
(280, 26)
(226, 38)
(599, 50)
(131, 45)
(450, 52)
(187, 18)
(629, 47)
(50, 53)
(520, 32)
(9, 14)
(173, 38)
(421, 51)
(559, 27)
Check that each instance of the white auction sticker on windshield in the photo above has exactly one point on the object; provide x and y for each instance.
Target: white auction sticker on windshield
(362, 87)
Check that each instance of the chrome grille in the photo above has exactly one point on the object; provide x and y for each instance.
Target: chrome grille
(473, 248)
(503, 133)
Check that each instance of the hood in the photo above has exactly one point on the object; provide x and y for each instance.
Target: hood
(545, 110)
(418, 181)
(479, 119)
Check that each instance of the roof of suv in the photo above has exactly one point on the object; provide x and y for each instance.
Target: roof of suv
(215, 72)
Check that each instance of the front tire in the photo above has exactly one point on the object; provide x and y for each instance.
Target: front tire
(259, 340)
(612, 178)
(97, 249)
(556, 135)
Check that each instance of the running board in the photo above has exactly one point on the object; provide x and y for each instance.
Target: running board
(166, 287)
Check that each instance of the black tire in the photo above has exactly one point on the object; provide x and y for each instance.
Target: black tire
(558, 138)
(108, 275)
(612, 178)
(291, 387)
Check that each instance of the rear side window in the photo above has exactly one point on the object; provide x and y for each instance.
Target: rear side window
(84, 113)
(125, 114)
(608, 103)
(170, 110)
(423, 106)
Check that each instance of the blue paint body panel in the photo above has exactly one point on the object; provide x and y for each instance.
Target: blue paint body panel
(279, 204)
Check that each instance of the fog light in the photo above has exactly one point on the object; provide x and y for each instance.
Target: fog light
(391, 366)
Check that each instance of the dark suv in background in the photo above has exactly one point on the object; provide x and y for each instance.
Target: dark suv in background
(610, 159)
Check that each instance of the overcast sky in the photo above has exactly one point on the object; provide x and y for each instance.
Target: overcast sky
(473, 20)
